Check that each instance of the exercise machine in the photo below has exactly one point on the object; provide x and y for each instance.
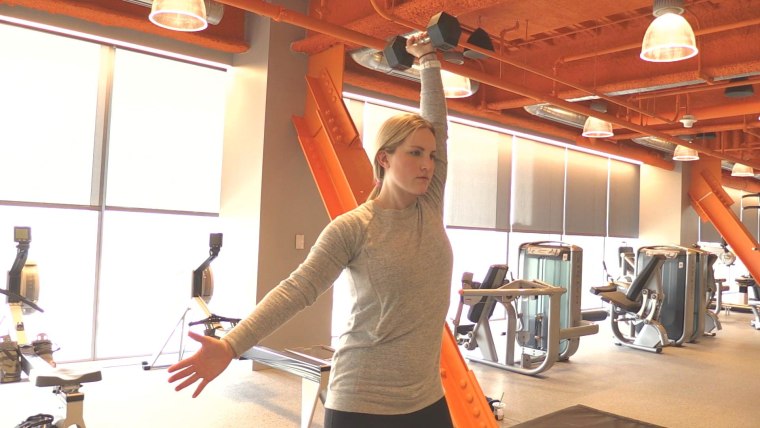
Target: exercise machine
(35, 358)
(708, 289)
(22, 290)
(686, 277)
(482, 301)
(561, 265)
(201, 292)
(635, 308)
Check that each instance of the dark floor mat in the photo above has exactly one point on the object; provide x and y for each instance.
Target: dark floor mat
(583, 416)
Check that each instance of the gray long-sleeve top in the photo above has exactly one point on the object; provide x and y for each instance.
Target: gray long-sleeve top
(399, 266)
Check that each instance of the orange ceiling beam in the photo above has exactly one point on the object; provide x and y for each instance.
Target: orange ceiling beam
(228, 36)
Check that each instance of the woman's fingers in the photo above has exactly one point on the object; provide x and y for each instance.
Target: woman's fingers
(187, 371)
(187, 382)
(200, 388)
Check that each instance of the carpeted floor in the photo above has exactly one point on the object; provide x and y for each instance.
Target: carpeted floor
(707, 384)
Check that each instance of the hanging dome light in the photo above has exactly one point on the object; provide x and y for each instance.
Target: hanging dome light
(455, 85)
(179, 15)
(669, 37)
(597, 128)
(741, 170)
(683, 153)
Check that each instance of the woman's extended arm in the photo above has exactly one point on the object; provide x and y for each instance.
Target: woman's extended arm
(432, 108)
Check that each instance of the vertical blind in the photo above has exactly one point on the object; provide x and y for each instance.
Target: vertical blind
(477, 189)
(538, 183)
(623, 208)
(586, 194)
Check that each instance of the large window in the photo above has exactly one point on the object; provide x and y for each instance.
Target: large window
(49, 88)
(113, 158)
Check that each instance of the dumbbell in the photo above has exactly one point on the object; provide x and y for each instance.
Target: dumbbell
(443, 32)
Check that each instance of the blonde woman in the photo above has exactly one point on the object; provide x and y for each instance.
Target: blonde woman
(385, 370)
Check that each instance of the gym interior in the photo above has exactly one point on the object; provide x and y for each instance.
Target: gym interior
(146, 170)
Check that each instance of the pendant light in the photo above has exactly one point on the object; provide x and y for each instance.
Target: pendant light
(669, 37)
(597, 128)
(741, 170)
(179, 15)
(683, 153)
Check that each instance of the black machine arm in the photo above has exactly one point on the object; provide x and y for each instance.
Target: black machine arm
(215, 244)
(22, 235)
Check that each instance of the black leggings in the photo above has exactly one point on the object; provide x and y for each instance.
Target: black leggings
(435, 415)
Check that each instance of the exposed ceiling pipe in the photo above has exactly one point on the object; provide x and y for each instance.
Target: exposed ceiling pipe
(629, 46)
(695, 130)
(506, 60)
(279, 13)
(710, 86)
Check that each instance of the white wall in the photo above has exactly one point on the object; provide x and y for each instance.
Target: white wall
(660, 206)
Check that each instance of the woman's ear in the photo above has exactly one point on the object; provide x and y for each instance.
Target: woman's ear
(382, 158)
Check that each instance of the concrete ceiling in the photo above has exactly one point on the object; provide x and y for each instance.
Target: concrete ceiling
(558, 52)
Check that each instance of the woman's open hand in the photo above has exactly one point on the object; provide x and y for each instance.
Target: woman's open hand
(204, 366)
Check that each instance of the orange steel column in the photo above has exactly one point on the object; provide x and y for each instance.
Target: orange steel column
(712, 203)
(329, 139)
(344, 177)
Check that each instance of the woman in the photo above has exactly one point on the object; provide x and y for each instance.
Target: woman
(385, 371)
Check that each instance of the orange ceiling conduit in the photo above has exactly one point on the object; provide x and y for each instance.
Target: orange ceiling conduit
(710, 86)
(506, 60)
(282, 14)
(374, 22)
(750, 106)
(694, 130)
(228, 36)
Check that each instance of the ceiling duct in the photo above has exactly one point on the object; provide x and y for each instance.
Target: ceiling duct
(557, 114)
(375, 60)
(214, 10)
(655, 143)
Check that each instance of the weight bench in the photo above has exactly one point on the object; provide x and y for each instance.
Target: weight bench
(66, 384)
(639, 306)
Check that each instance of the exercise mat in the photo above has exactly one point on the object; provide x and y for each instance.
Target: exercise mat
(583, 416)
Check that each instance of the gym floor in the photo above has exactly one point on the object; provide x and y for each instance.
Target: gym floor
(711, 383)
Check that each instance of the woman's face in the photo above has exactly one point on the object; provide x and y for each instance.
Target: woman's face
(409, 169)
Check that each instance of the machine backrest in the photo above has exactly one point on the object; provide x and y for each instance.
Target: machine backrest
(644, 276)
(494, 279)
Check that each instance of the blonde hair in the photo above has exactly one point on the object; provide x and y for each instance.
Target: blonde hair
(391, 134)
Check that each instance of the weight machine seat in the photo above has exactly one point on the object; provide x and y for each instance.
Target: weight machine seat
(630, 299)
(64, 377)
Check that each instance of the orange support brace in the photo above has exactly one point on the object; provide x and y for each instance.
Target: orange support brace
(344, 176)
(712, 203)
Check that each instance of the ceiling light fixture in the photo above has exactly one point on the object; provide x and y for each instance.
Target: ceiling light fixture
(179, 15)
(688, 120)
(685, 154)
(741, 170)
(455, 85)
(669, 37)
(597, 128)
